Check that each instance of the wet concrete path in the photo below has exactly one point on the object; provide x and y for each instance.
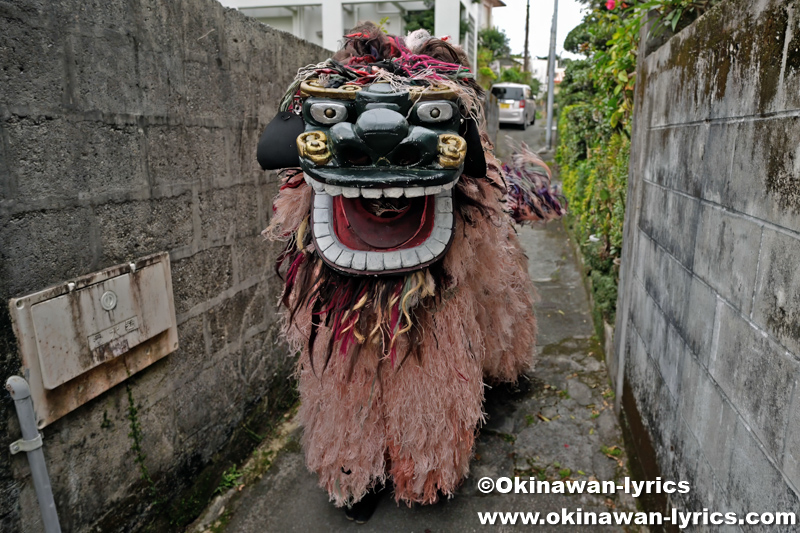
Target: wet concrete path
(557, 423)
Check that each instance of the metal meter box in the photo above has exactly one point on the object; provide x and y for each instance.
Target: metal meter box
(80, 338)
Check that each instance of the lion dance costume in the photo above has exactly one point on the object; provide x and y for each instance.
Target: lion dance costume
(405, 285)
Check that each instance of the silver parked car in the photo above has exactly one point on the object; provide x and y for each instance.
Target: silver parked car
(516, 103)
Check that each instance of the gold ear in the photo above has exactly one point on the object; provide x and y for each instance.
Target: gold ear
(452, 150)
(313, 145)
(315, 88)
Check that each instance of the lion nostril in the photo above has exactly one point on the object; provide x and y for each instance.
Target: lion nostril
(405, 156)
(381, 129)
(354, 157)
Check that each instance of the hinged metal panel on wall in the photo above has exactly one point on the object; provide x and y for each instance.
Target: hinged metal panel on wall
(82, 337)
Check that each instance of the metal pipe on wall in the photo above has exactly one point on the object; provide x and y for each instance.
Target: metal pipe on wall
(31, 443)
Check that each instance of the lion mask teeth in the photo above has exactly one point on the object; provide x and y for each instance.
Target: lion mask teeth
(386, 192)
(339, 256)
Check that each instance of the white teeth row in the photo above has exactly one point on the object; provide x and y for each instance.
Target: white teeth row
(390, 192)
(375, 262)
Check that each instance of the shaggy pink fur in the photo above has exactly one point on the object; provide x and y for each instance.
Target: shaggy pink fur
(417, 421)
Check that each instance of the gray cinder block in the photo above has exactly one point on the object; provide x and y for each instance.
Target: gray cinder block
(777, 296)
(757, 375)
(712, 235)
(127, 128)
(726, 255)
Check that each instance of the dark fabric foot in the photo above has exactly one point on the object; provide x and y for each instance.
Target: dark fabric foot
(362, 510)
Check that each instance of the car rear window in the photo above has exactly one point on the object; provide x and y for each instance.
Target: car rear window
(508, 93)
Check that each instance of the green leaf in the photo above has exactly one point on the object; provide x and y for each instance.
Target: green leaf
(677, 16)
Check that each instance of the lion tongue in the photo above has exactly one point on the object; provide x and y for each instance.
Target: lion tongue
(364, 224)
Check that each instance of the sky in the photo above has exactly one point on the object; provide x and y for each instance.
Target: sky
(511, 19)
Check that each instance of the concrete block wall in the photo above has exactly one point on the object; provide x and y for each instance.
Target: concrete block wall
(709, 333)
(129, 127)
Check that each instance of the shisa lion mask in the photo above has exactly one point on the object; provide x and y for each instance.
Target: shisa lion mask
(383, 181)
(404, 281)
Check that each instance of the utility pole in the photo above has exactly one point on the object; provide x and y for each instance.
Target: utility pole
(525, 66)
(551, 75)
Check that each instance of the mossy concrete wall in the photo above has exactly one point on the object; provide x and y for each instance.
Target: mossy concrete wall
(709, 328)
(129, 127)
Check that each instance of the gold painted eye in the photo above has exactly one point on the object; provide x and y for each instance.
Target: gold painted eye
(330, 113)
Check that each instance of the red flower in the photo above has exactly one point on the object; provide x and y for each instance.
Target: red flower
(611, 4)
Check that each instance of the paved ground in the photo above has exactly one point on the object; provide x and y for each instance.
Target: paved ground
(558, 423)
(533, 136)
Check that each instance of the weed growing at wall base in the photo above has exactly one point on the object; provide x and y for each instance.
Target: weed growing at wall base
(231, 478)
(136, 446)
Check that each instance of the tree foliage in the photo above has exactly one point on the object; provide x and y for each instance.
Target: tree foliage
(496, 41)
(577, 85)
(515, 75)
(596, 99)
(486, 75)
(421, 20)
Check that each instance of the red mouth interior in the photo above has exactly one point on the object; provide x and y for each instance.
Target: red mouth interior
(383, 224)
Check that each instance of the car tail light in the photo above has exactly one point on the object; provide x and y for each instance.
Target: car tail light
(522, 104)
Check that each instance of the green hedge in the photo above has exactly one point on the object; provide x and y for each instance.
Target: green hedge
(596, 101)
(594, 171)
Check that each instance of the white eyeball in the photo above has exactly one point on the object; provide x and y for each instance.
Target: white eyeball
(435, 111)
(328, 112)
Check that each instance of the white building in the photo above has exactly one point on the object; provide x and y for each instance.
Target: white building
(538, 69)
(486, 12)
(324, 22)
